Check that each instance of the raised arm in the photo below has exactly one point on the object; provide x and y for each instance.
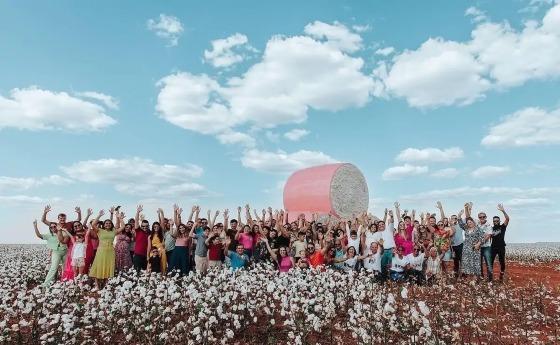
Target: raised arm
(112, 214)
(78, 210)
(213, 222)
(139, 209)
(248, 215)
(398, 210)
(385, 216)
(177, 214)
(468, 209)
(37, 233)
(506, 217)
(441, 213)
(257, 215)
(161, 219)
(120, 222)
(226, 219)
(88, 214)
(270, 251)
(44, 217)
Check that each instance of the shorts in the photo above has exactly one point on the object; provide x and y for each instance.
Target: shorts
(78, 262)
(201, 263)
(214, 263)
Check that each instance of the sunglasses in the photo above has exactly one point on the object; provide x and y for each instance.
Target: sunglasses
(482, 217)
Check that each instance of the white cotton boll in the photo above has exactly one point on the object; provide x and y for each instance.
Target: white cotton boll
(404, 293)
(391, 298)
(388, 309)
(423, 308)
(128, 337)
(272, 322)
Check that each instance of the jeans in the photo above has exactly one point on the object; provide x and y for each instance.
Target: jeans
(415, 276)
(501, 253)
(385, 261)
(458, 250)
(397, 276)
(486, 258)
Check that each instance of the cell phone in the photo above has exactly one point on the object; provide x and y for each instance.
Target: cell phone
(117, 208)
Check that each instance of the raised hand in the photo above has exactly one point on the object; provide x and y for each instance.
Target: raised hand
(269, 209)
(217, 213)
(89, 212)
(397, 205)
(460, 213)
(112, 209)
(226, 212)
(247, 207)
(175, 207)
(47, 209)
(501, 207)
(139, 209)
(101, 213)
(438, 205)
(239, 209)
(193, 209)
(179, 211)
(208, 213)
(78, 209)
(35, 222)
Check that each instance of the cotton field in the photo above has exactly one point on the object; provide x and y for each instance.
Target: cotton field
(261, 306)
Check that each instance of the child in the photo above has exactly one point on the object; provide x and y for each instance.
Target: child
(79, 255)
(299, 245)
(154, 264)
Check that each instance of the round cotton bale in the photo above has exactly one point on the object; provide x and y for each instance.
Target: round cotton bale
(336, 189)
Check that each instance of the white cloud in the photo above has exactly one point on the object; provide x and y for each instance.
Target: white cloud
(361, 28)
(490, 171)
(232, 137)
(295, 74)
(228, 51)
(398, 172)
(166, 27)
(36, 109)
(526, 127)
(445, 173)
(296, 134)
(337, 35)
(430, 154)
(442, 72)
(109, 101)
(273, 137)
(282, 162)
(476, 14)
(385, 51)
(525, 202)
(16, 199)
(25, 183)
(139, 176)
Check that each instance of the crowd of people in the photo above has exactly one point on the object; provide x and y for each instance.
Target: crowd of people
(396, 247)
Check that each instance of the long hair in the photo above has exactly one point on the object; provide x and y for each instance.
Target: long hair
(158, 232)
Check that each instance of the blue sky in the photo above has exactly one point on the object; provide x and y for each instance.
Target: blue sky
(216, 103)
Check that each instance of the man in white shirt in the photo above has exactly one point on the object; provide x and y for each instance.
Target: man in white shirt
(399, 264)
(486, 246)
(416, 262)
(372, 261)
(387, 236)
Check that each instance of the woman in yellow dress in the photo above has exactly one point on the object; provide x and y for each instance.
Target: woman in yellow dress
(156, 241)
(103, 266)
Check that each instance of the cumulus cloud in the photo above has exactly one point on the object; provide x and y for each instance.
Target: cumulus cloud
(296, 134)
(37, 109)
(108, 101)
(166, 27)
(336, 35)
(232, 137)
(8, 183)
(385, 51)
(490, 171)
(526, 127)
(228, 51)
(469, 191)
(398, 172)
(282, 162)
(444, 72)
(430, 154)
(476, 14)
(294, 75)
(445, 173)
(139, 176)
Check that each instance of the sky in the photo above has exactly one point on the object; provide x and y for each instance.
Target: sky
(216, 103)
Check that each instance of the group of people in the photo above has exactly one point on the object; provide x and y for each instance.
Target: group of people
(416, 249)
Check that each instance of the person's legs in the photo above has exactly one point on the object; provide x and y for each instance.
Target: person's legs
(56, 259)
(458, 250)
(385, 261)
(502, 259)
(486, 255)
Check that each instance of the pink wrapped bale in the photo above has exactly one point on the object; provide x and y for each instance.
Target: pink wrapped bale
(336, 189)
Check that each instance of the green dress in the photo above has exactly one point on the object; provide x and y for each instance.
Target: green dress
(103, 266)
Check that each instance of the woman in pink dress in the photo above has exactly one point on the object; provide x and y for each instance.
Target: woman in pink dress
(403, 238)
(284, 261)
(123, 260)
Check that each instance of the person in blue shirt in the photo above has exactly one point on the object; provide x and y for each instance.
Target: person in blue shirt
(238, 258)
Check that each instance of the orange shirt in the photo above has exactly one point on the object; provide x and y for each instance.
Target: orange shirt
(316, 259)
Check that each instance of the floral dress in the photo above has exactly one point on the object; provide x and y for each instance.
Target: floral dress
(122, 253)
(470, 263)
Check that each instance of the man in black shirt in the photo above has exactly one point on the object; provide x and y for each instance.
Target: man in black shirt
(498, 242)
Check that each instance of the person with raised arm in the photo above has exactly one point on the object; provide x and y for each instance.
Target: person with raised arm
(283, 260)
(56, 242)
(69, 272)
(68, 226)
(156, 240)
(441, 236)
(123, 260)
(399, 264)
(372, 260)
(457, 239)
(388, 242)
(103, 266)
(486, 246)
(141, 233)
(168, 239)
(416, 262)
(498, 242)
(238, 259)
(199, 233)
(474, 237)
(316, 258)
(179, 260)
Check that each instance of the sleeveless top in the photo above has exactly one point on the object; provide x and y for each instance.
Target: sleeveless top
(285, 264)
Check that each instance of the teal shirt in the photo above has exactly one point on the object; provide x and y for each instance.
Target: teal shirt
(53, 243)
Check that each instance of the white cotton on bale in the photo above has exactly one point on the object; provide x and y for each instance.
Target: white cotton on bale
(336, 189)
